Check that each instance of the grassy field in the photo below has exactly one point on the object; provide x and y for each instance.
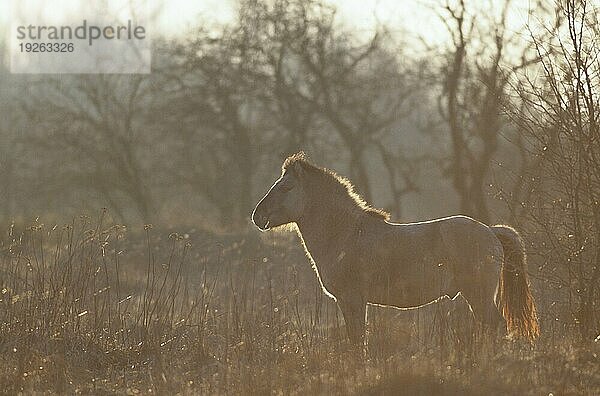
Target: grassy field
(94, 308)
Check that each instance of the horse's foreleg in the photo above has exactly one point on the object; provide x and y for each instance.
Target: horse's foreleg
(354, 309)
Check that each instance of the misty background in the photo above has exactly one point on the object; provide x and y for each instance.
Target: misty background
(202, 137)
(431, 108)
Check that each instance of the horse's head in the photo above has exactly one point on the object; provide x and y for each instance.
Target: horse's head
(284, 202)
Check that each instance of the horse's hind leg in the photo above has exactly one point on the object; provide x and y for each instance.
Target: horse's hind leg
(486, 312)
(484, 308)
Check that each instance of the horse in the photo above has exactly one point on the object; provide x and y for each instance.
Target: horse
(361, 258)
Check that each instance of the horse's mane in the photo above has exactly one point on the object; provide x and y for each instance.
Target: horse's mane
(339, 183)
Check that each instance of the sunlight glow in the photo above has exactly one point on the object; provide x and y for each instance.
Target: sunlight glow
(418, 19)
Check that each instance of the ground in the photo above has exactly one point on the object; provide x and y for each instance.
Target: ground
(98, 309)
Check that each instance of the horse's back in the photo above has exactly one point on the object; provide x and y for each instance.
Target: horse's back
(456, 220)
(459, 241)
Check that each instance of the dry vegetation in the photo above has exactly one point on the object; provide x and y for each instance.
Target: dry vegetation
(92, 308)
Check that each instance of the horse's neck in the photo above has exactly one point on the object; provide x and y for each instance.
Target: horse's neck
(325, 232)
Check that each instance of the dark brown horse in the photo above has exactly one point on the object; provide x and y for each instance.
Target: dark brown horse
(361, 258)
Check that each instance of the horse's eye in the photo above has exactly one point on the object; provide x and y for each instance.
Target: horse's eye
(287, 186)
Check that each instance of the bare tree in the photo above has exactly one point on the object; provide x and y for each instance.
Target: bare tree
(284, 76)
(559, 119)
(96, 123)
(219, 83)
(359, 90)
(480, 62)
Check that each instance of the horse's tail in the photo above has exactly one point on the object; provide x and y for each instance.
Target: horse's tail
(514, 296)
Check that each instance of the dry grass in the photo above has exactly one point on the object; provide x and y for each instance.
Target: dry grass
(91, 308)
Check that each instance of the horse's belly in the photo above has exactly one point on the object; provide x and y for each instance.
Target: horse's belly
(405, 298)
(414, 288)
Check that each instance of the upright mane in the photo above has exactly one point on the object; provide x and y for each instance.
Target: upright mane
(338, 183)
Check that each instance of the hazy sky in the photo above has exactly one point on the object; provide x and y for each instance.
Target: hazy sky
(416, 16)
(413, 14)
(361, 14)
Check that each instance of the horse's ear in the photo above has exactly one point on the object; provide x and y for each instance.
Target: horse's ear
(298, 168)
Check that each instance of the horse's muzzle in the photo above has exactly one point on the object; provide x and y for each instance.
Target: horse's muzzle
(260, 220)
